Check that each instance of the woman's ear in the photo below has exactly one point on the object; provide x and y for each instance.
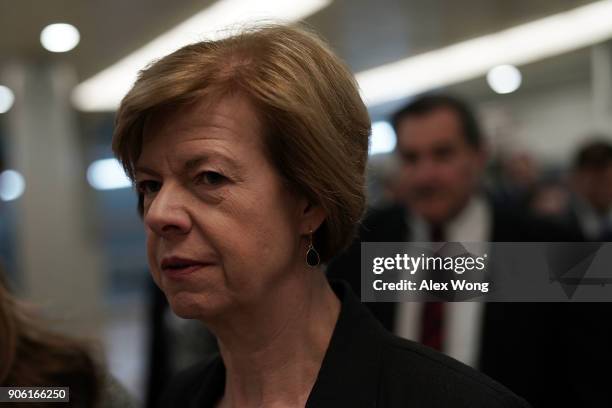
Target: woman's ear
(311, 216)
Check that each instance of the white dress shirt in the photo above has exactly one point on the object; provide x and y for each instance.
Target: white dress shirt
(462, 320)
(591, 223)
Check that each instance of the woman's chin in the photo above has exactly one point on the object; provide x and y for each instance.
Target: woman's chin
(192, 306)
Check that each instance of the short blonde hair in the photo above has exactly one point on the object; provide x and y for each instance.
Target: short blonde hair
(316, 127)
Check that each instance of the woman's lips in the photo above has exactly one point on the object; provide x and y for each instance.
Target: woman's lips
(176, 273)
(177, 267)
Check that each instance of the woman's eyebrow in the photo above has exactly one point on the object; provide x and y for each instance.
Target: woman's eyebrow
(196, 161)
(143, 169)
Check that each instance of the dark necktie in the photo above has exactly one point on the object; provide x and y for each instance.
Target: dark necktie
(432, 319)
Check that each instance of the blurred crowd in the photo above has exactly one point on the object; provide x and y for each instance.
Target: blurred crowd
(579, 196)
(576, 195)
(444, 186)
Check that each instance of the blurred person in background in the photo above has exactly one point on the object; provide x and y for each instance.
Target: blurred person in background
(34, 355)
(550, 199)
(582, 201)
(590, 206)
(249, 155)
(518, 180)
(441, 198)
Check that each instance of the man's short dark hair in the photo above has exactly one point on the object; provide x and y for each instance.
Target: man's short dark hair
(428, 103)
(594, 155)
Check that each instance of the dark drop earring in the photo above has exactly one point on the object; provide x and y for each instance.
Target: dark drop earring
(312, 256)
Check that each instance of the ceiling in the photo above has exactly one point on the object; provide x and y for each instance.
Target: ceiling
(365, 33)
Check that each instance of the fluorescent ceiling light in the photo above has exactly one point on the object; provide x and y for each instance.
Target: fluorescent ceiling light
(12, 185)
(104, 91)
(107, 174)
(7, 97)
(530, 42)
(59, 37)
(383, 138)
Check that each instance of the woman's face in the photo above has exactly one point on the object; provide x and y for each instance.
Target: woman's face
(222, 230)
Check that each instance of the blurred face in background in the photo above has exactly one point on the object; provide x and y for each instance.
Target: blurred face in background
(439, 169)
(594, 185)
(222, 228)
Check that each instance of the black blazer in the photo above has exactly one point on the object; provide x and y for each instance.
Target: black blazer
(548, 353)
(365, 367)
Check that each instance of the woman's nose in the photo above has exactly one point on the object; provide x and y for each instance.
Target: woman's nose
(167, 214)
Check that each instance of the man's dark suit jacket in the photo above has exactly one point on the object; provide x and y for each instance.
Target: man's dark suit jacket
(365, 366)
(571, 220)
(552, 354)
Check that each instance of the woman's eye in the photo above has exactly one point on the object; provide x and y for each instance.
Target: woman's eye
(211, 178)
(146, 187)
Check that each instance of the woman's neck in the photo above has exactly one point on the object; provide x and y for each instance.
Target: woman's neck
(273, 352)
